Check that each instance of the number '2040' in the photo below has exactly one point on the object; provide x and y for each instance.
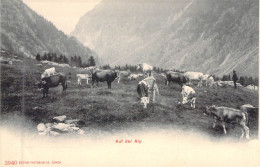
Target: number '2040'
(10, 162)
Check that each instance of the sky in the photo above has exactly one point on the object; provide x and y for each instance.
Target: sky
(64, 14)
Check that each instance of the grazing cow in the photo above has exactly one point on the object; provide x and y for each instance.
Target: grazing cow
(52, 81)
(229, 115)
(146, 68)
(48, 72)
(104, 75)
(134, 76)
(188, 96)
(83, 77)
(194, 76)
(176, 77)
(123, 74)
(144, 88)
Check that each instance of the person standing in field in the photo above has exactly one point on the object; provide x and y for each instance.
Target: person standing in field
(235, 78)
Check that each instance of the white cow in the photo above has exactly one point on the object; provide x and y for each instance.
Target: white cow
(205, 78)
(83, 77)
(210, 81)
(48, 72)
(134, 76)
(122, 74)
(144, 88)
(91, 69)
(188, 96)
(194, 76)
(146, 68)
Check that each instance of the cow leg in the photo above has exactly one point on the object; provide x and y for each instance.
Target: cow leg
(214, 123)
(118, 80)
(224, 127)
(242, 135)
(87, 81)
(153, 95)
(243, 124)
(193, 102)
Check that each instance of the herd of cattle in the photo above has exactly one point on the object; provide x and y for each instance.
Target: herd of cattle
(147, 87)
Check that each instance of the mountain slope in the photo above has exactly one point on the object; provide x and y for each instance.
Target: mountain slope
(203, 35)
(25, 32)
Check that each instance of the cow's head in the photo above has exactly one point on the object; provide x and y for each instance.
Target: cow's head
(116, 73)
(184, 100)
(209, 109)
(144, 101)
(41, 84)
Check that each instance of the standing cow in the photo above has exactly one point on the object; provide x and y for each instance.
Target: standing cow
(229, 115)
(83, 77)
(146, 68)
(188, 96)
(144, 88)
(194, 76)
(52, 81)
(104, 75)
(176, 77)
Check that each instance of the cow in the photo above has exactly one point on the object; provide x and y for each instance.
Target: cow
(146, 68)
(83, 77)
(188, 96)
(204, 78)
(91, 69)
(52, 81)
(123, 74)
(104, 75)
(176, 77)
(210, 81)
(134, 76)
(194, 76)
(144, 88)
(229, 115)
(48, 72)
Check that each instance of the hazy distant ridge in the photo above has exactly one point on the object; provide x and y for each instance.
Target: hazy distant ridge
(25, 32)
(203, 35)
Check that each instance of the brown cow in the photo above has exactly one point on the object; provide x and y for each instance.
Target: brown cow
(229, 115)
(104, 75)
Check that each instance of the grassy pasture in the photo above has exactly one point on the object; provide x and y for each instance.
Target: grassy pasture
(109, 109)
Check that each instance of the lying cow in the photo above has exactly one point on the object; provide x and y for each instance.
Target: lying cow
(52, 81)
(144, 88)
(134, 76)
(229, 115)
(48, 72)
(188, 96)
(123, 74)
(104, 75)
(83, 77)
(176, 77)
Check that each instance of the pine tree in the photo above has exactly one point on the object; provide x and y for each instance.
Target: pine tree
(44, 56)
(91, 61)
(38, 57)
